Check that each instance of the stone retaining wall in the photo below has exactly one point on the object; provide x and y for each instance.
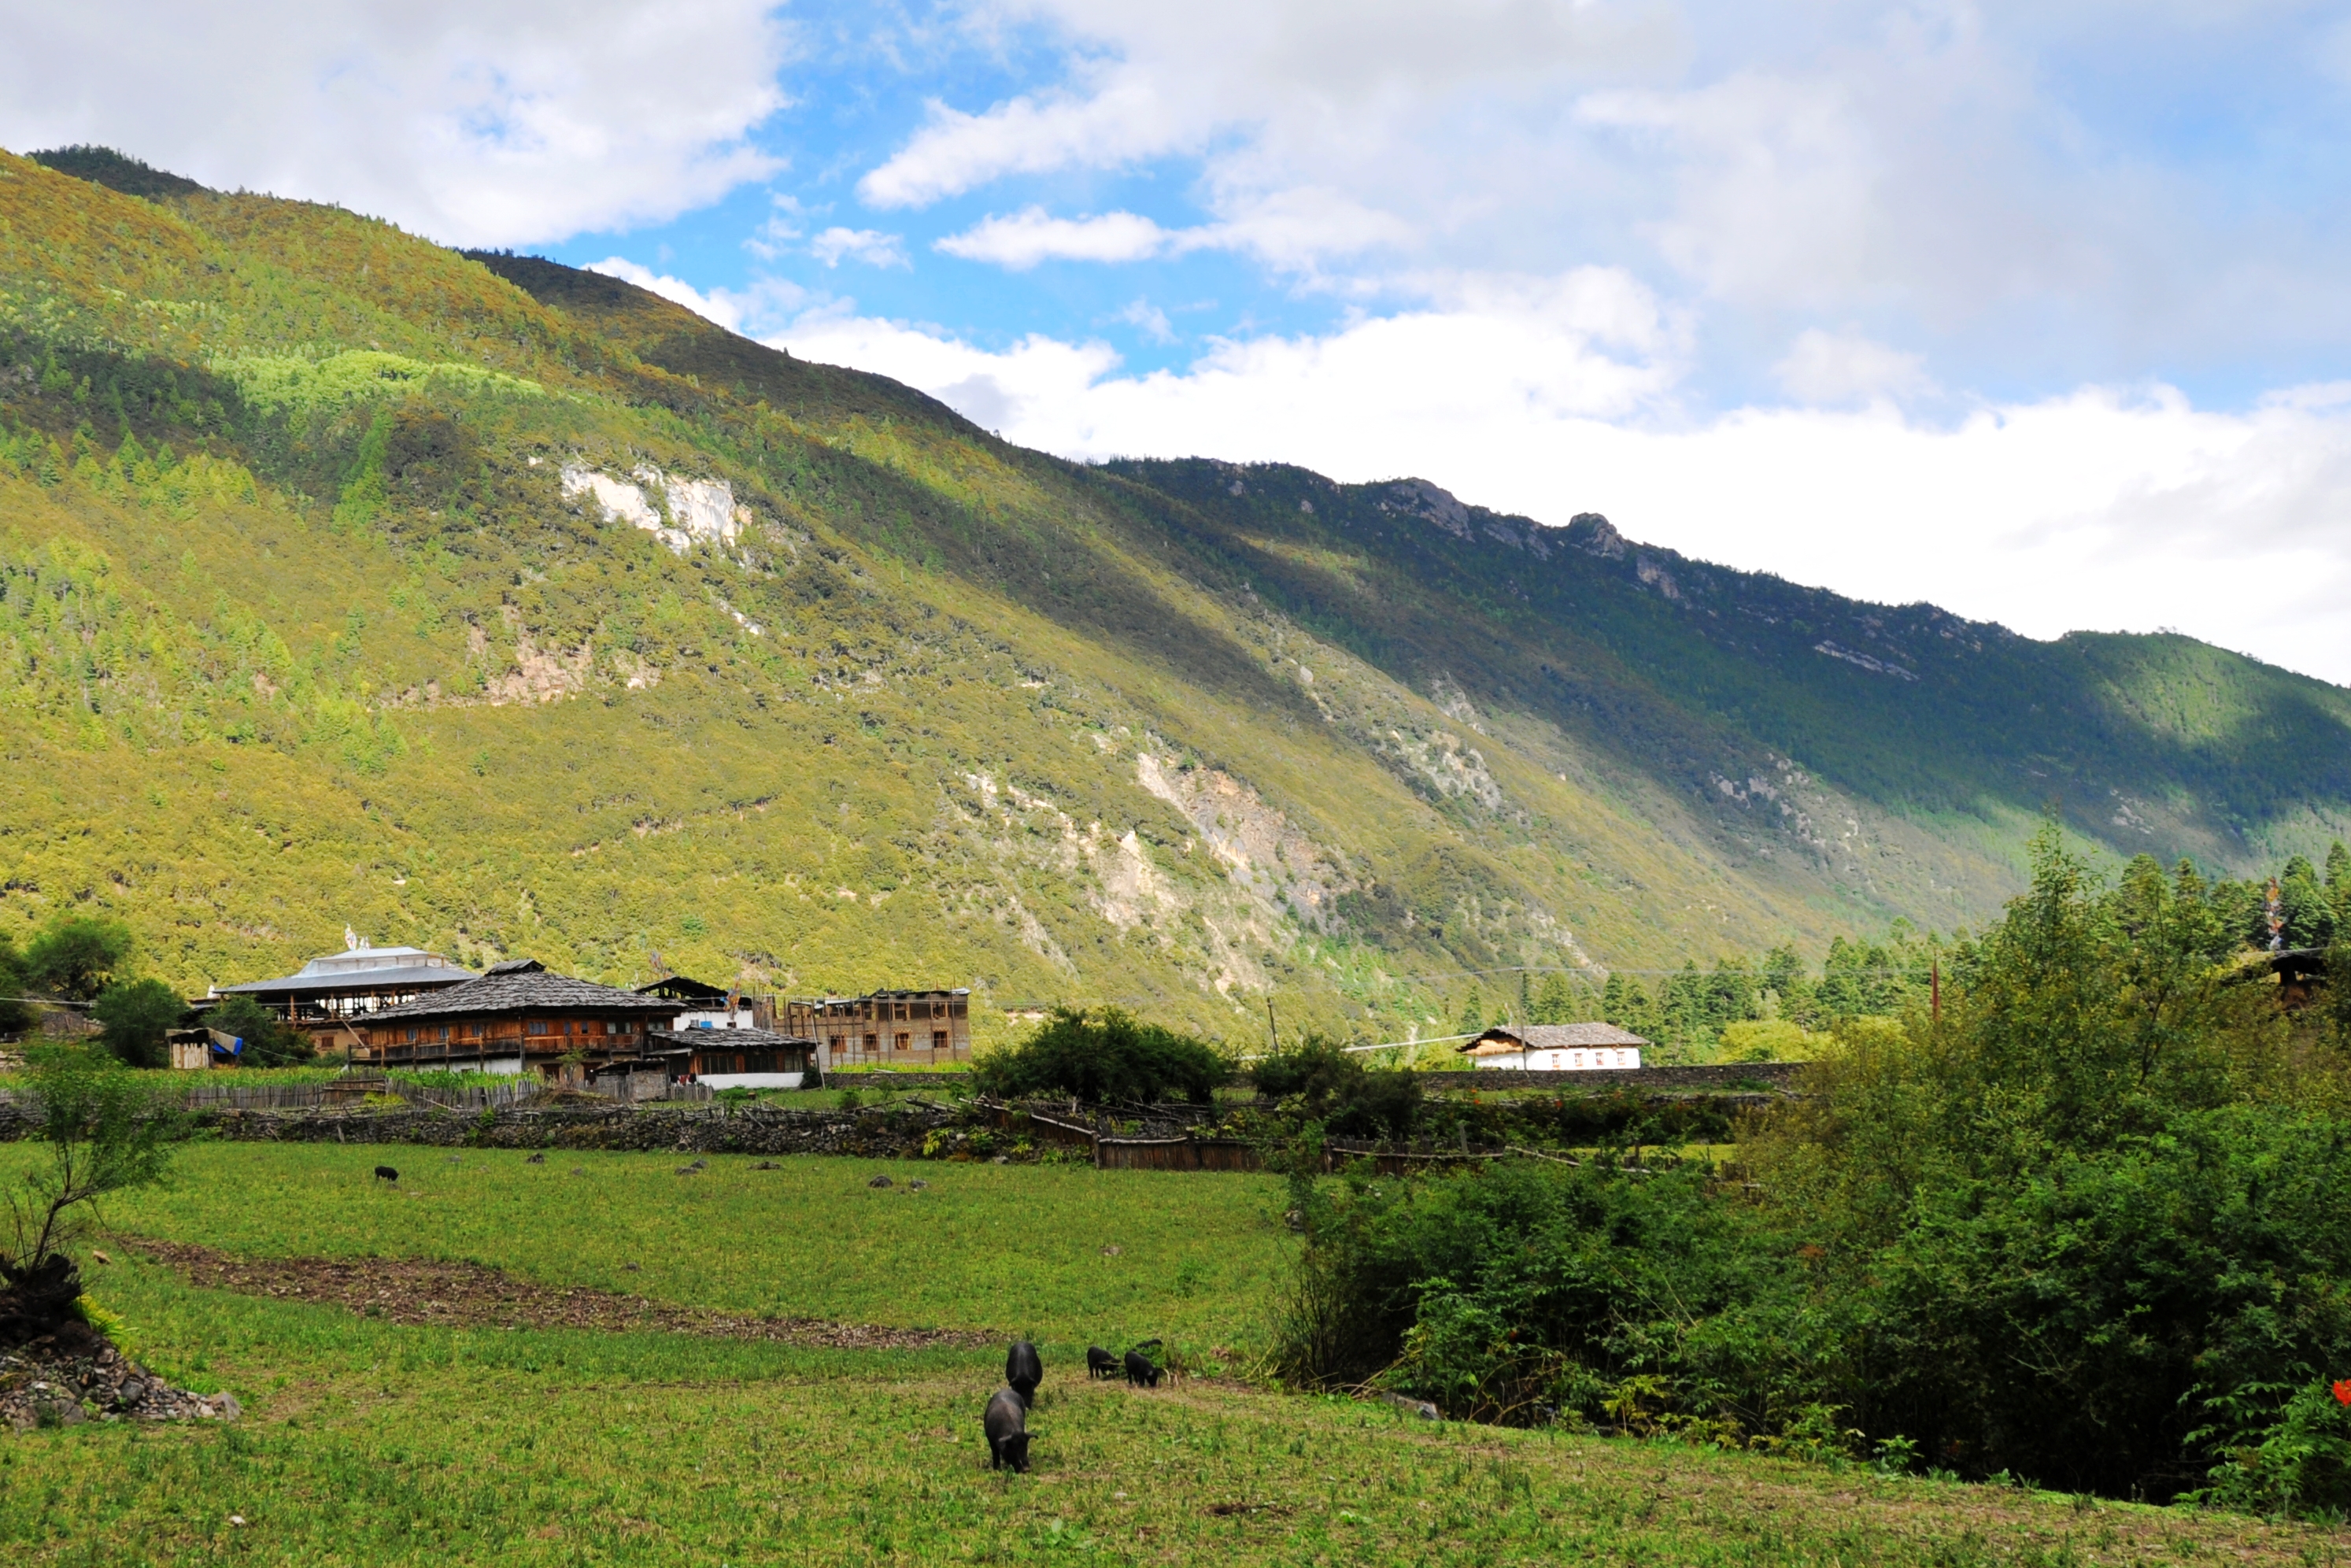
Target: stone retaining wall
(875, 1134)
(1732, 1077)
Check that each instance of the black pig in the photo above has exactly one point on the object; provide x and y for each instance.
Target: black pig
(1101, 1363)
(1024, 1370)
(1007, 1425)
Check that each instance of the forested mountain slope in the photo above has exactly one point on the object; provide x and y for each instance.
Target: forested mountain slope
(486, 604)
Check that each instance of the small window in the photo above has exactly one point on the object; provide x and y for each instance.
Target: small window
(905, 1040)
(938, 1040)
(536, 1026)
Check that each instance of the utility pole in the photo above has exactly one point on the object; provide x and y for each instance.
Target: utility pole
(1934, 989)
(1273, 1029)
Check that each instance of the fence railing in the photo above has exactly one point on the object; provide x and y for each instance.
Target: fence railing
(347, 1091)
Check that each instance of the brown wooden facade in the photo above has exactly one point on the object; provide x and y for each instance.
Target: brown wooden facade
(887, 1029)
(516, 1018)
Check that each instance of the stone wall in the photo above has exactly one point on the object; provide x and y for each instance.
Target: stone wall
(697, 1129)
(1730, 1077)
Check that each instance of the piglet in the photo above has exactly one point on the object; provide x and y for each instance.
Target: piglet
(1101, 1363)
(1140, 1369)
(1007, 1425)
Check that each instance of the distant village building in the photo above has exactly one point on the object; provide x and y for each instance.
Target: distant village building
(703, 1005)
(1556, 1047)
(516, 1017)
(328, 993)
(742, 1058)
(717, 1038)
(887, 1029)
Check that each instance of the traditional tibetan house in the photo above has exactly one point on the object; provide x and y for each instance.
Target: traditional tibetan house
(1556, 1047)
(887, 1029)
(340, 989)
(517, 1018)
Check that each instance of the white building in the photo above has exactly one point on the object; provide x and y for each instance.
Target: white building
(1556, 1047)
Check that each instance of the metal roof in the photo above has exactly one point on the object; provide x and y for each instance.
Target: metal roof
(367, 980)
(361, 967)
(524, 985)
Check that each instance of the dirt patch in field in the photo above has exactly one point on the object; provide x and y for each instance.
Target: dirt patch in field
(469, 1295)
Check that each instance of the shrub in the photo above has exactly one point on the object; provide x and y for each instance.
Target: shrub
(75, 957)
(1332, 1084)
(269, 1041)
(1104, 1057)
(134, 1018)
(106, 1130)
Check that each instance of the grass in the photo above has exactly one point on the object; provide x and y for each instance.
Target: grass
(369, 1443)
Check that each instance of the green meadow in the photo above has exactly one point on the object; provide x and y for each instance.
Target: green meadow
(364, 1442)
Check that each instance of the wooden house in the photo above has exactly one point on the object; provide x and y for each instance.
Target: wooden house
(1556, 1047)
(516, 1017)
(887, 1029)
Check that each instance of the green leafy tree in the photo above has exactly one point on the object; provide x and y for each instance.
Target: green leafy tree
(77, 957)
(17, 1015)
(102, 1130)
(1472, 1017)
(134, 1016)
(2338, 885)
(1555, 1003)
(1104, 1057)
(2309, 913)
(269, 1041)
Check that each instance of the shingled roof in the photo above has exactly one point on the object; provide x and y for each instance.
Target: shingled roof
(1505, 1039)
(525, 985)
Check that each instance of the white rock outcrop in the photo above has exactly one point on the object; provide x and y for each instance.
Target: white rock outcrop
(701, 509)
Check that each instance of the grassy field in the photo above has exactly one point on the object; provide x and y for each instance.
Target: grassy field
(365, 1442)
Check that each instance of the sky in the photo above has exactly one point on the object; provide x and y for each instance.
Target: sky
(2037, 311)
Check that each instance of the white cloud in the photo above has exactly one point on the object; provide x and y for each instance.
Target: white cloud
(1989, 179)
(1150, 320)
(480, 123)
(1843, 366)
(717, 305)
(766, 301)
(2097, 509)
(1026, 237)
(868, 245)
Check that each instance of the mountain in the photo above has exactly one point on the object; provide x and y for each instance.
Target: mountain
(479, 602)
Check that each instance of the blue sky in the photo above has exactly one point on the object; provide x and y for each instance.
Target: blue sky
(2034, 310)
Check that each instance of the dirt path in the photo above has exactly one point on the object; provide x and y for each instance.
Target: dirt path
(469, 1295)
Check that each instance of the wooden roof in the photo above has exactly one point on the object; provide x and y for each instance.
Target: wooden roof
(525, 986)
(1508, 1039)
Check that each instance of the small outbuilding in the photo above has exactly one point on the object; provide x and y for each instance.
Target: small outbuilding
(738, 1057)
(1556, 1047)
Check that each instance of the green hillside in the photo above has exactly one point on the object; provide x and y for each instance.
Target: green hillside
(478, 602)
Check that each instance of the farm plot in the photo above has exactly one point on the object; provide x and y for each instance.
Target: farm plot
(524, 1439)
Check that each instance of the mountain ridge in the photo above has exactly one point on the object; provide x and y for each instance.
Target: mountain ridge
(501, 607)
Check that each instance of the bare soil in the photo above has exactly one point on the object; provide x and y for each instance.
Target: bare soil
(419, 1291)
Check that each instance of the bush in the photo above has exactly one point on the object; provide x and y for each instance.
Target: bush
(75, 955)
(269, 1041)
(1331, 1084)
(2084, 1228)
(134, 1018)
(1112, 1056)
